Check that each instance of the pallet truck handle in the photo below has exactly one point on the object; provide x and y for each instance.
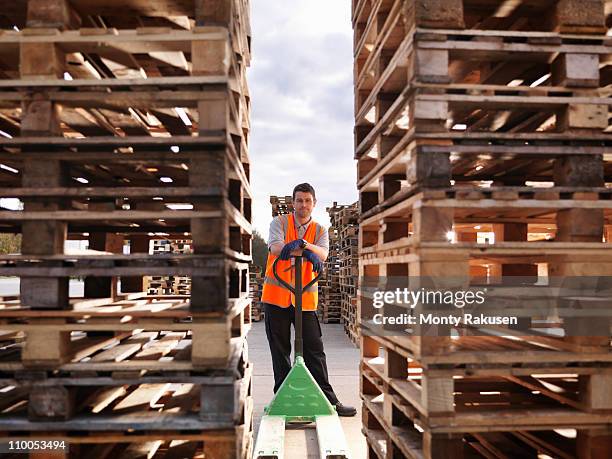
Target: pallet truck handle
(297, 292)
(286, 284)
(314, 281)
(289, 286)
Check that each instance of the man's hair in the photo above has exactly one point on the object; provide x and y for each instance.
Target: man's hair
(304, 188)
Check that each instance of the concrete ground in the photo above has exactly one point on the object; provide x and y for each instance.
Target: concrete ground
(343, 366)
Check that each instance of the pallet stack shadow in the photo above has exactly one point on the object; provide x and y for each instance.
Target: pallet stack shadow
(483, 145)
(256, 276)
(127, 120)
(330, 297)
(169, 285)
(349, 268)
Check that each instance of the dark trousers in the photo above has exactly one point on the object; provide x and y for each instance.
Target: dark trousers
(278, 330)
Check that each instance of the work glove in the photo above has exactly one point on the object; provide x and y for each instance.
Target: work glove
(288, 248)
(317, 264)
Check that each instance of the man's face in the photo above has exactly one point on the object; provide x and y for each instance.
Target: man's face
(303, 204)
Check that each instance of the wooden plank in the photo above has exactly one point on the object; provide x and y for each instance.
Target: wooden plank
(116, 353)
(508, 46)
(181, 449)
(48, 455)
(124, 437)
(137, 421)
(543, 387)
(125, 99)
(101, 399)
(102, 192)
(114, 8)
(146, 395)
(100, 141)
(583, 107)
(12, 398)
(155, 350)
(125, 83)
(71, 215)
(85, 347)
(183, 399)
(141, 450)
(42, 272)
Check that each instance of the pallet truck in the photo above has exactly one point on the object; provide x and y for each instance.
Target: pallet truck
(299, 398)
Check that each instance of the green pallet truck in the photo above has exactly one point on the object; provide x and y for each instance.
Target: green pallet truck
(299, 399)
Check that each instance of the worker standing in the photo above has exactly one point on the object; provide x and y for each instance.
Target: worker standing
(297, 234)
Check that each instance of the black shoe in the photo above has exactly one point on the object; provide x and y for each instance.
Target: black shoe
(346, 411)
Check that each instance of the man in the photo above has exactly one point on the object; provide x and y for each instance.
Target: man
(297, 234)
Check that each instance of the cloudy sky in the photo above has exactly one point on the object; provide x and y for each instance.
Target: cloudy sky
(300, 80)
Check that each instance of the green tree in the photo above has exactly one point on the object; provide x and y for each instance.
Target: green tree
(10, 243)
(260, 250)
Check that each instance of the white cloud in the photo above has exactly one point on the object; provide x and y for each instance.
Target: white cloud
(301, 84)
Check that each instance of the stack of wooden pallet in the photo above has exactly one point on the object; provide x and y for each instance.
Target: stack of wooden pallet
(281, 205)
(127, 120)
(169, 285)
(330, 296)
(346, 222)
(256, 278)
(483, 149)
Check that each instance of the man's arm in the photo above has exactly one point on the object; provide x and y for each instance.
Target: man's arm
(275, 249)
(276, 239)
(319, 251)
(321, 245)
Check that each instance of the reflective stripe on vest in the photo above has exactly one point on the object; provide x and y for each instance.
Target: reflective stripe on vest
(273, 281)
(273, 291)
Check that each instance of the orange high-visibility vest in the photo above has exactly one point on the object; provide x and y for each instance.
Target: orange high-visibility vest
(273, 291)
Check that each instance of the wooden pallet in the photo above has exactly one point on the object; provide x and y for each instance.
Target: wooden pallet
(403, 440)
(350, 317)
(135, 129)
(147, 414)
(281, 205)
(450, 403)
(345, 268)
(482, 139)
(255, 291)
(84, 336)
(170, 285)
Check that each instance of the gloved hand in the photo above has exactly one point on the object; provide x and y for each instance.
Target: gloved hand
(288, 248)
(317, 264)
